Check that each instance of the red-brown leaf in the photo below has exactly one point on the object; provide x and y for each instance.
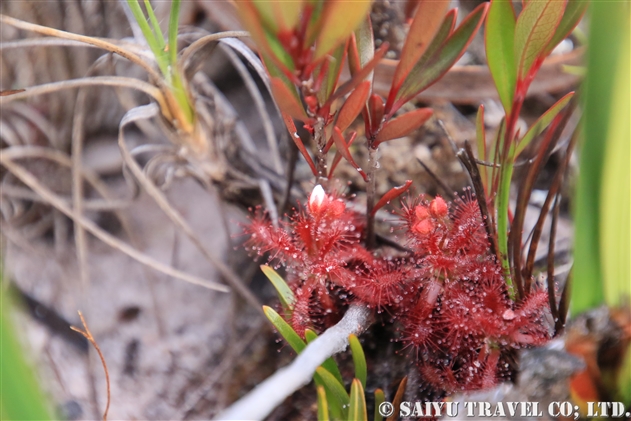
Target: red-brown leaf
(293, 133)
(342, 147)
(403, 125)
(427, 19)
(286, 100)
(392, 194)
(353, 105)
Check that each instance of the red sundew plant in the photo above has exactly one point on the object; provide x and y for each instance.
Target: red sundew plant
(448, 294)
(450, 288)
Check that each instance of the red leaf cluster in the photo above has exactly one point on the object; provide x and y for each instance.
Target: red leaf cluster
(448, 294)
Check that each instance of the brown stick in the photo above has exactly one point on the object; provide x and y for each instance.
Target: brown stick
(90, 338)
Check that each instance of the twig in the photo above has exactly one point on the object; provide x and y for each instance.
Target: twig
(90, 338)
(257, 404)
(437, 180)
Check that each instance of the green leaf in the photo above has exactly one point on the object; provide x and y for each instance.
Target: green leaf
(285, 293)
(499, 39)
(357, 411)
(339, 19)
(293, 339)
(542, 122)
(21, 397)
(380, 398)
(155, 24)
(365, 42)
(359, 360)
(330, 365)
(173, 24)
(333, 73)
(425, 25)
(535, 27)
(424, 74)
(323, 407)
(279, 16)
(338, 393)
(601, 246)
(573, 14)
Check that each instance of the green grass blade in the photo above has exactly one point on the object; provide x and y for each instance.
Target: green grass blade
(357, 407)
(173, 25)
(499, 41)
(155, 25)
(20, 395)
(359, 359)
(149, 36)
(338, 393)
(330, 365)
(285, 293)
(380, 397)
(293, 339)
(323, 407)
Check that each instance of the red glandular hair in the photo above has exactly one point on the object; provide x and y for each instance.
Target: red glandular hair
(449, 295)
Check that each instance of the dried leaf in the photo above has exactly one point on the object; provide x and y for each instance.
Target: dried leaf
(535, 28)
(339, 19)
(403, 125)
(499, 39)
(353, 105)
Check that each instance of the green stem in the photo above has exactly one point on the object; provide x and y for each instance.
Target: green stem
(503, 197)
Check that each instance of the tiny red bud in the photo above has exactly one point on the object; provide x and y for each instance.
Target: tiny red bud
(316, 199)
(424, 226)
(438, 207)
(421, 212)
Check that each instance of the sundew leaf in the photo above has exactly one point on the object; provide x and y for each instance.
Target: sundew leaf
(442, 34)
(403, 125)
(500, 40)
(323, 407)
(573, 14)
(425, 24)
(535, 28)
(380, 398)
(357, 408)
(542, 122)
(285, 293)
(330, 365)
(423, 75)
(338, 393)
(339, 19)
(353, 105)
(359, 360)
(286, 331)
